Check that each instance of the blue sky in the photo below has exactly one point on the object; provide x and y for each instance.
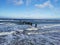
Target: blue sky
(30, 8)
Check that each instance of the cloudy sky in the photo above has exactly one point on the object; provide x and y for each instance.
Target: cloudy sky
(30, 8)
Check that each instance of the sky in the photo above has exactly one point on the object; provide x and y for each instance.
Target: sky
(37, 9)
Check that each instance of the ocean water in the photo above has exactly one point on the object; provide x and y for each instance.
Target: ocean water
(44, 34)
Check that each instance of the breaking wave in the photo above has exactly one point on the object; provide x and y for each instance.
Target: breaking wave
(13, 34)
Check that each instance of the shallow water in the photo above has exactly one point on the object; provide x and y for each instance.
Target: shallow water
(47, 34)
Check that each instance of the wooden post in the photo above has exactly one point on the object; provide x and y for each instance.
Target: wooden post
(31, 24)
(35, 25)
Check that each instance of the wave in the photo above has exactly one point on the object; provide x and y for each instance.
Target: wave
(28, 35)
(17, 38)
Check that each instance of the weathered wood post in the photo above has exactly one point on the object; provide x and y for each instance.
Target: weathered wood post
(35, 25)
(31, 24)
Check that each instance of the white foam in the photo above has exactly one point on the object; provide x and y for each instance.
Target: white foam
(33, 28)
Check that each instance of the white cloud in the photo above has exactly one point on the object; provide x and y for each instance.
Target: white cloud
(45, 4)
(20, 2)
(28, 2)
(56, 0)
(16, 2)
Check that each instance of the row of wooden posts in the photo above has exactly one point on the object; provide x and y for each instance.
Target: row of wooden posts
(29, 23)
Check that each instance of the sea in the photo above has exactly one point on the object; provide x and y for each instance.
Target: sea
(14, 32)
